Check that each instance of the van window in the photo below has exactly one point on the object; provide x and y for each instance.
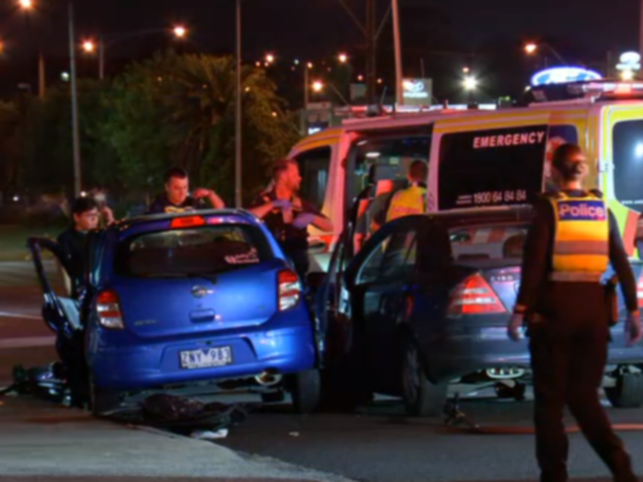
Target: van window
(628, 163)
(383, 159)
(388, 158)
(314, 166)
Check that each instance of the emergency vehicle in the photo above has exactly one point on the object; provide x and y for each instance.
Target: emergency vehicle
(481, 158)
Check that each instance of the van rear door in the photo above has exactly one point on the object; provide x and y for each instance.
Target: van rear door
(487, 161)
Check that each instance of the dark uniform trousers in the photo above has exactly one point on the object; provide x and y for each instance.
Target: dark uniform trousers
(568, 345)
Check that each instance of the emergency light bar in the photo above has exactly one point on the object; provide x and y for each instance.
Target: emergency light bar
(587, 90)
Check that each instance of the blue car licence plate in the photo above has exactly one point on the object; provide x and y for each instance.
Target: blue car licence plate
(206, 358)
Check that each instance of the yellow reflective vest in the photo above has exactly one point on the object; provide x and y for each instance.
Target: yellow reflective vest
(581, 238)
(411, 200)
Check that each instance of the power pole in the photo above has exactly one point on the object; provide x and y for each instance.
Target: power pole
(371, 33)
(237, 117)
(371, 52)
(74, 103)
(641, 28)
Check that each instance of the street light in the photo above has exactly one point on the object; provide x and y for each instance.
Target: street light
(106, 41)
(318, 86)
(470, 83)
(270, 58)
(26, 4)
(531, 48)
(180, 31)
(343, 58)
(89, 46)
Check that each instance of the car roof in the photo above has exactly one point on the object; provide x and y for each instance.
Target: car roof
(501, 214)
(138, 220)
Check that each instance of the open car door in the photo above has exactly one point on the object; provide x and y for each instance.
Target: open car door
(60, 311)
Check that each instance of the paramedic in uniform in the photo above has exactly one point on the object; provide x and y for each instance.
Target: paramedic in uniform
(570, 244)
(411, 200)
(287, 215)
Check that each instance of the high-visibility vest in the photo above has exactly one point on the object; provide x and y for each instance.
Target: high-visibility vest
(581, 239)
(411, 200)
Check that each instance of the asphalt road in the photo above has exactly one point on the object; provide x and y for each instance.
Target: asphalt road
(378, 444)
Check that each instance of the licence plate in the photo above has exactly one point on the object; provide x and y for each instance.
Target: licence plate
(206, 358)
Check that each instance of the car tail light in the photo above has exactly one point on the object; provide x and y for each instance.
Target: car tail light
(639, 290)
(187, 222)
(474, 296)
(109, 311)
(289, 289)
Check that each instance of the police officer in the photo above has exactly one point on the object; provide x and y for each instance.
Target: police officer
(570, 244)
(287, 215)
(411, 200)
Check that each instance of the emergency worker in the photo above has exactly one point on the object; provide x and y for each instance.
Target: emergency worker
(569, 246)
(177, 198)
(411, 200)
(287, 215)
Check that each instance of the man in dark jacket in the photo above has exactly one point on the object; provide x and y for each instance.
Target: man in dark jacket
(177, 197)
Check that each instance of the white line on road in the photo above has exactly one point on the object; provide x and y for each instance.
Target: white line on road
(27, 342)
(4, 314)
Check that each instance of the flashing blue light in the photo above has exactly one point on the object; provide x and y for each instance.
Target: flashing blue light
(563, 75)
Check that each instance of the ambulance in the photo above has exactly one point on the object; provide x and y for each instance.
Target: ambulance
(480, 158)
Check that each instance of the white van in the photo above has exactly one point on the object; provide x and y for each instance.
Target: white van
(480, 158)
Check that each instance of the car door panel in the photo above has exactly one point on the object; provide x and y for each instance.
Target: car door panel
(60, 312)
(382, 285)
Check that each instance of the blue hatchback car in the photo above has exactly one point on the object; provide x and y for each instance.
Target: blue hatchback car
(176, 300)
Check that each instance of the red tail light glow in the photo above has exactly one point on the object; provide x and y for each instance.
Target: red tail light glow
(474, 296)
(109, 311)
(187, 222)
(639, 291)
(289, 290)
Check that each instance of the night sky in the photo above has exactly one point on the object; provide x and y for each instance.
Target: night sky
(582, 29)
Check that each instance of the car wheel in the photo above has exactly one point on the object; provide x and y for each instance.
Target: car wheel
(628, 392)
(422, 398)
(102, 401)
(306, 391)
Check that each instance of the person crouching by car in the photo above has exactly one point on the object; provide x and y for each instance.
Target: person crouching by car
(177, 199)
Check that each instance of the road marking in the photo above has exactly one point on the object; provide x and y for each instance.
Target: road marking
(27, 342)
(4, 314)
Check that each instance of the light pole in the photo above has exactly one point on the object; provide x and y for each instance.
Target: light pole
(532, 48)
(27, 5)
(179, 32)
(398, 54)
(318, 86)
(74, 102)
(237, 126)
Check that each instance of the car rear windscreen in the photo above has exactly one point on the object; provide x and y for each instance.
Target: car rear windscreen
(488, 242)
(193, 251)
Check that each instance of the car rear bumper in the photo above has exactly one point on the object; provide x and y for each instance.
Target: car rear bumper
(466, 350)
(284, 350)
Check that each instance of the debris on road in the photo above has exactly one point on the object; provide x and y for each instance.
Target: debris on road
(209, 434)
